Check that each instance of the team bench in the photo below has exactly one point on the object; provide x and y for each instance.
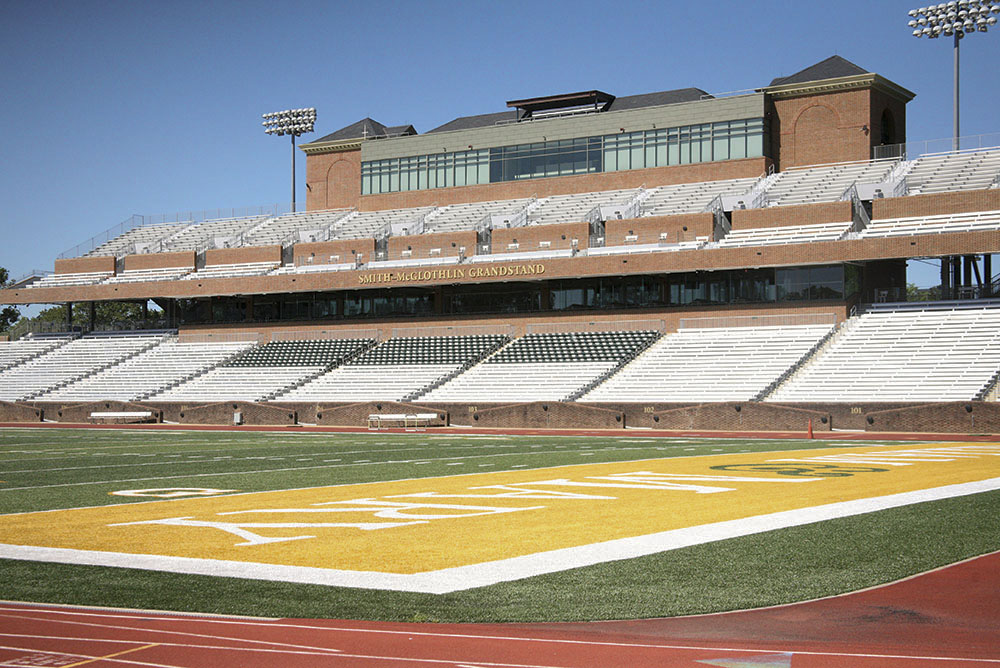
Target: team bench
(405, 420)
(121, 417)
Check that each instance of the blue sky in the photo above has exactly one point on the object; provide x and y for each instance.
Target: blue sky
(120, 108)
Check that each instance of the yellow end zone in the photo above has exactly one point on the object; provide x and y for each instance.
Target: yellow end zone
(457, 522)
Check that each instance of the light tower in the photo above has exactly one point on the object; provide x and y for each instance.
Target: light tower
(293, 122)
(955, 18)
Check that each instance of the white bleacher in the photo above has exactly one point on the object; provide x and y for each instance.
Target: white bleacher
(789, 234)
(217, 233)
(136, 239)
(952, 222)
(691, 197)
(246, 383)
(144, 275)
(232, 270)
(312, 268)
(360, 382)
(947, 172)
(77, 358)
(75, 278)
(939, 352)
(147, 372)
(704, 365)
(661, 247)
(826, 183)
(467, 216)
(366, 224)
(574, 208)
(16, 352)
(521, 256)
(279, 228)
(413, 262)
(519, 381)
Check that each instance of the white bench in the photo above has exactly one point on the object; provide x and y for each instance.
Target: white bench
(406, 420)
(120, 417)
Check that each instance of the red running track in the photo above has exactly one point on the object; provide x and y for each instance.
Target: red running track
(946, 618)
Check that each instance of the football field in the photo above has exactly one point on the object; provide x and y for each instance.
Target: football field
(487, 528)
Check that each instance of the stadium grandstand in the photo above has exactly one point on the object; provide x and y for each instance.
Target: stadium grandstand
(673, 259)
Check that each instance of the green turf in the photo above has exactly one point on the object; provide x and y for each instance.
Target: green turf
(44, 469)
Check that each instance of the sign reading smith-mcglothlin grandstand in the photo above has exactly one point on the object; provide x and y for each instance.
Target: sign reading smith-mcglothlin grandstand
(451, 273)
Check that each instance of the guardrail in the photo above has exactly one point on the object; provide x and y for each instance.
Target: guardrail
(783, 320)
(597, 326)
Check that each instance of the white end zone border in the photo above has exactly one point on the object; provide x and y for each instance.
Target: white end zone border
(460, 578)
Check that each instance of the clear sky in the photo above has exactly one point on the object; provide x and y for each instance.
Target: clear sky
(119, 108)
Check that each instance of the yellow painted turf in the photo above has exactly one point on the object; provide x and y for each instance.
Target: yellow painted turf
(448, 537)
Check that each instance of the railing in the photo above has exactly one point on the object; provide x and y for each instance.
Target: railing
(25, 327)
(782, 320)
(28, 278)
(597, 326)
(449, 330)
(137, 220)
(722, 226)
(910, 150)
(859, 214)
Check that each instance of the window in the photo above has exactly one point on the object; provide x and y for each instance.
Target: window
(641, 149)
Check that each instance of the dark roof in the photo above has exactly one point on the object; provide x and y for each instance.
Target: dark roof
(658, 99)
(366, 127)
(831, 68)
(399, 131)
(480, 121)
(618, 104)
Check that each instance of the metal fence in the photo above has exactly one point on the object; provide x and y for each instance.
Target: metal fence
(915, 149)
(783, 320)
(597, 326)
(450, 330)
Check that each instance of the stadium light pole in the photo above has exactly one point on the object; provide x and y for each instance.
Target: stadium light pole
(957, 19)
(293, 122)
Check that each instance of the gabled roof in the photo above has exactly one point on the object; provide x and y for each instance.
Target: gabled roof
(831, 68)
(366, 127)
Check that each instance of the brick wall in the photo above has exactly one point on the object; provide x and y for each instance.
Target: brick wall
(731, 416)
(546, 415)
(797, 214)
(333, 252)
(822, 129)
(928, 245)
(333, 180)
(448, 244)
(160, 260)
(240, 255)
(13, 412)
(683, 227)
(79, 265)
(81, 412)
(960, 417)
(222, 414)
(356, 415)
(934, 204)
(530, 238)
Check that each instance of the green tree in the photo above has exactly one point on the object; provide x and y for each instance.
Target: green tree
(915, 294)
(106, 314)
(8, 315)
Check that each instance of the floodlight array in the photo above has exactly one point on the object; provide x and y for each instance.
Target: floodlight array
(293, 122)
(958, 18)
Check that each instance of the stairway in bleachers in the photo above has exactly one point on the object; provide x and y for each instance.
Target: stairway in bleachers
(543, 367)
(396, 369)
(266, 371)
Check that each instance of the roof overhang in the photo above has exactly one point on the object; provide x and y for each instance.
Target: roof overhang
(855, 82)
(331, 146)
(592, 98)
